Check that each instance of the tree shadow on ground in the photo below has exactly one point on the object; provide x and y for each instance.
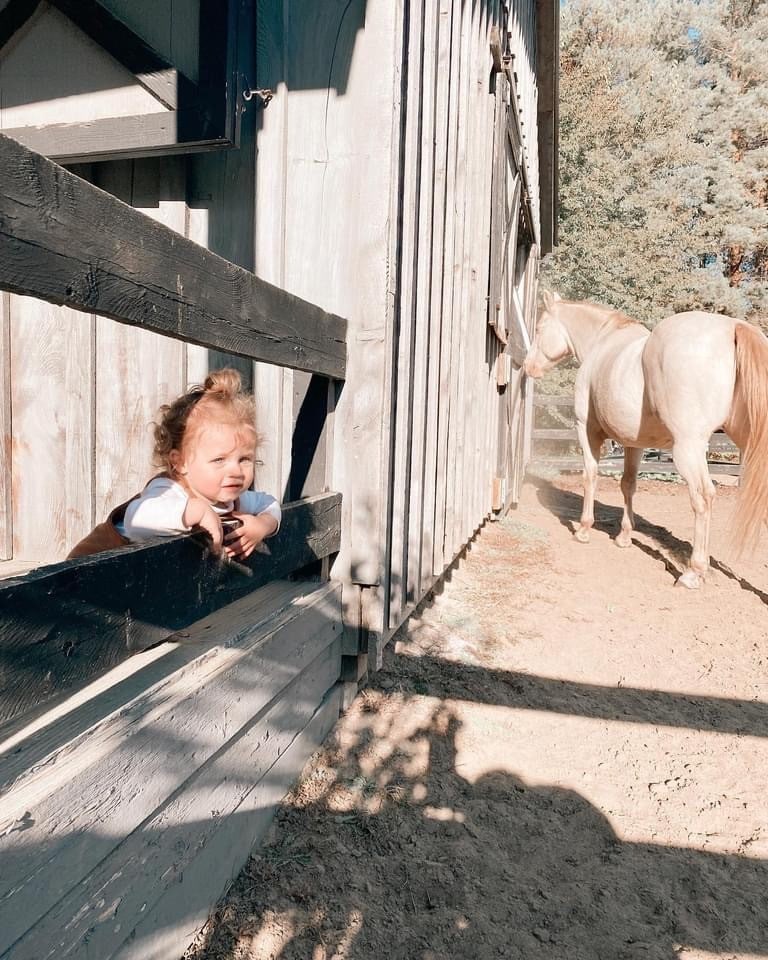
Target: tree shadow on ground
(386, 850)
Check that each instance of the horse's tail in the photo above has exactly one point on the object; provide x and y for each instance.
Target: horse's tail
(751, 399)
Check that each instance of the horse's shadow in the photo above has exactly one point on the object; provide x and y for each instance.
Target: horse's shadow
(673, 554)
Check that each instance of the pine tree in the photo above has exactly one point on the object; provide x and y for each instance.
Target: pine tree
(664, 162)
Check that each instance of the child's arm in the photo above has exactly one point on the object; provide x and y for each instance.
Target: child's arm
(260, 516)
(199, 513)
(164, 509)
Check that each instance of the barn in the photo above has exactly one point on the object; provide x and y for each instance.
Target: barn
(346, 201)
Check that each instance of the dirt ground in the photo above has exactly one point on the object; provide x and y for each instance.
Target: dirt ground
(564, 757)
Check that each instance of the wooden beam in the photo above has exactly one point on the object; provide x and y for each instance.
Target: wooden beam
(67, 242)
(62, 625)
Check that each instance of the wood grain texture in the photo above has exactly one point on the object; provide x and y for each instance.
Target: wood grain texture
(423, 318)
(6, 499)
(108, 138)
(136, 370)
(62, 625)
(447, 340)
(64, 241)
(226, 713)
(407, 271)
(52, 438)
(179, 913)
(432, 482)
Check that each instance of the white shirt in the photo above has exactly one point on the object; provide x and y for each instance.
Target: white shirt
(159, 510)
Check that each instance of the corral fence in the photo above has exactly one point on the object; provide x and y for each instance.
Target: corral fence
(155, 703)
(554, 444)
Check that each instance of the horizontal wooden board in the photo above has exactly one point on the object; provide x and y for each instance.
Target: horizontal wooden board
(62, 625)
(181, 911)
(165, 879)
(65, 241)
(112, 138)
(172, 763)
(541, 400)
(556, 433)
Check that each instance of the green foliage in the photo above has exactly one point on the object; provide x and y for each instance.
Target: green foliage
(664, 156)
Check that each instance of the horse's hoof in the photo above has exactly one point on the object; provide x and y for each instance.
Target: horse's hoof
(623, 540)
(690, 579)
(582, 535)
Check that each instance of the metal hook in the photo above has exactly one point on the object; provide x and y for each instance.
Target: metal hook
(265, 95)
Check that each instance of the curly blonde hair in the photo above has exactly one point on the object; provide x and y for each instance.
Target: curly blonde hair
(221, 399)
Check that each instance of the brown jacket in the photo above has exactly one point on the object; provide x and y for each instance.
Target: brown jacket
(104, 536)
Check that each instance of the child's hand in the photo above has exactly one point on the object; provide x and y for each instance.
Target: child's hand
(242, 542)
(199, 513)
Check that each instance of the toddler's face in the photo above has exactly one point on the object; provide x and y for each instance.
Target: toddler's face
(218, 463)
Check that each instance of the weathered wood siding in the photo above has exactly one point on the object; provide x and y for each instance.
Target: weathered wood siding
(455, 392)
(393, 181)
(384, 216)
(155, 784)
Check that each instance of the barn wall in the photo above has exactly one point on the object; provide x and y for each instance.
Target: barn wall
(365, 186)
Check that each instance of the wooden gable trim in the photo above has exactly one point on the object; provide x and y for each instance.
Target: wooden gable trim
(152, 71)
(67, 623)
(67, 242)
(201, 116)
(173, 131)
(13, 15)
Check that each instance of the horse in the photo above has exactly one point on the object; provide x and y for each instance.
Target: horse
(670, 387)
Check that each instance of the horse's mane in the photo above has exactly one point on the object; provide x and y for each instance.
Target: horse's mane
(613, 317)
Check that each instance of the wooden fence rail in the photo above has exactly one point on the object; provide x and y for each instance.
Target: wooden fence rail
(720, 445)
(62, 625)
(65, 241)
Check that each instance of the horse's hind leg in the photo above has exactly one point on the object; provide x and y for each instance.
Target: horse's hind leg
(691, 461)
(632, 458)
(591, 441)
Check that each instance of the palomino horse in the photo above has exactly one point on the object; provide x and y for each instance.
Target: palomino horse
(672, 387)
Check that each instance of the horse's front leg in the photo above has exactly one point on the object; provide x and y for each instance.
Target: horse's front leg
(632, 458)
(691, 461)
(591, 441)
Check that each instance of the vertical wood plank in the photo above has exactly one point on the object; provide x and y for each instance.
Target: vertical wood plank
(51, 397)
(460, 253)
(273, 386)
(432, 481)
(487, 350)
(407, 302)
(475, 434)
(6, 503)
(196, 360)
(136, 371)
(423, 318)
(447, 345)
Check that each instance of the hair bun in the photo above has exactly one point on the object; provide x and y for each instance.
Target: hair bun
(224, 383)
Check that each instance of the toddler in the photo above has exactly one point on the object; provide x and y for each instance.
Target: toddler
(205, 444)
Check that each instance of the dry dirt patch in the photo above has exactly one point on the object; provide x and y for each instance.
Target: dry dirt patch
(564, 757)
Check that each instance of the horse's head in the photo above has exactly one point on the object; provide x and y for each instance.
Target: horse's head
(551, 343)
